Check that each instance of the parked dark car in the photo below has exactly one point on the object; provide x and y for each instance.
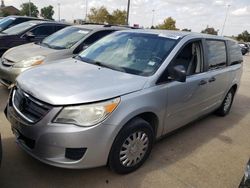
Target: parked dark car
(11, 21)
(244, 48)
(31, 31)
(245, 182)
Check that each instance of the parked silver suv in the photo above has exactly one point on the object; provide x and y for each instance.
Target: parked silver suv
(60, 45)
(109, 104)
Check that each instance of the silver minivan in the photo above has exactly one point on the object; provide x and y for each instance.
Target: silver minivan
(108, 105)
(60, 45)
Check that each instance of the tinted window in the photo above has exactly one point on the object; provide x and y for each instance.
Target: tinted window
(65, 38)
(216, 54)
(59, 27)
(44, 30)
(96, 36)
(19, 28)
(18, 21)
(133, 53)
(6, 22)
(234, 53)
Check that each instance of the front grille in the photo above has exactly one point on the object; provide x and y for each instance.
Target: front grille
(7, 63)
(29, 108)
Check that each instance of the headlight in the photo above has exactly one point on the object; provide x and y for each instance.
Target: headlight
(87, 115)
(33, 61)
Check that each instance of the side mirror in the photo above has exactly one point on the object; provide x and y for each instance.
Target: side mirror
(178, 73)
(84, 47)
(30, 35)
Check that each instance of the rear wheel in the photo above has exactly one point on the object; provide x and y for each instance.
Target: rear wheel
(131, 147)
(227, 104)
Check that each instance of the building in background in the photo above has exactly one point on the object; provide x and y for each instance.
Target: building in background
(8, 10)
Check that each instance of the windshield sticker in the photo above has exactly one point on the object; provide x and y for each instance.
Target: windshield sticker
(12, 18)
(175, 37)
(82, 32)
(151, 63)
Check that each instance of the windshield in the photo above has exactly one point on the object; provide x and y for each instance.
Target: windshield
(65, 38)
(5, 22)
(134, 53)
(19, 28)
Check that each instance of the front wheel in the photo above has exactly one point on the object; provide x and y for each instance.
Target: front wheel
(131, 147)
(227, 104)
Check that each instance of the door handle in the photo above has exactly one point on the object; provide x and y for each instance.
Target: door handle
(202, 82)
(212, 79)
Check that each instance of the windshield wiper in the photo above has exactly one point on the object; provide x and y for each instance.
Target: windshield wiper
(98, 63)
(51, 46)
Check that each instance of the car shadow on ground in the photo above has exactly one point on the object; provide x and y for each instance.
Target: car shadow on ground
(19, 169)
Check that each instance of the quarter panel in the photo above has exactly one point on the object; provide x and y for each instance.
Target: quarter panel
(148, 100)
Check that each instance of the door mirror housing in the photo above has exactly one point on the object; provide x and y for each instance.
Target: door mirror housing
(84, 47)
(178, 73)
(30, 35)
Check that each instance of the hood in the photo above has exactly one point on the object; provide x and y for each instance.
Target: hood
(75, 82)
(26, 51)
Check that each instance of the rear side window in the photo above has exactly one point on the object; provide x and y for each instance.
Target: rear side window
(96, 36)
(44, 30)
(217, 56)
(234, 53)
(59, 27)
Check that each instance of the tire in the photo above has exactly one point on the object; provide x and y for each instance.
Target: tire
(226, 105)
(125, 155)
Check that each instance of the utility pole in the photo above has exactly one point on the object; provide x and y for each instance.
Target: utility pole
(86, 16)
(128, 12)
(153, 17)
(29, 9)
(223, 27)
(59, 12)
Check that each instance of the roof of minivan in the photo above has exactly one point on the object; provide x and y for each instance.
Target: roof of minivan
(99, 27)
(16, 16)
(44, 21)
(177, 34)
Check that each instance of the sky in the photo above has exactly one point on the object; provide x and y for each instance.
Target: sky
(191, 14)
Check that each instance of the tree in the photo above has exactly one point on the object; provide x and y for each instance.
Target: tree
(25, 9)
(118, 17)
(244, 36)
(210, 30)
(168, 23)
(47, 12)
(99, 15)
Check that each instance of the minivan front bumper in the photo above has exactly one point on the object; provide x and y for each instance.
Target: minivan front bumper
(67, 146)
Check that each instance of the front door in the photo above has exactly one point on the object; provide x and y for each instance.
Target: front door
(186, 100)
